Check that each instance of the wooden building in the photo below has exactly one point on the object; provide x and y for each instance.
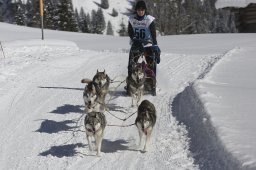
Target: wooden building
(245, 18)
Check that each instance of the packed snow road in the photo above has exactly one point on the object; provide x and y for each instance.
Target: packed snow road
(42, 110)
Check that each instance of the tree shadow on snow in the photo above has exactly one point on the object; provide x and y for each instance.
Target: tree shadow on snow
(68, 150)
(51, 126)
(68, 108)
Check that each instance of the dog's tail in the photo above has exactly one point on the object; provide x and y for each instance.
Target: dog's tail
(86, 80)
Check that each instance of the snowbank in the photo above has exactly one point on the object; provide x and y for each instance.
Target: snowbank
(219, 112)
(208, 150)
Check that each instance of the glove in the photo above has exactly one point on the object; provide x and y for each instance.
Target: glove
(157, 52)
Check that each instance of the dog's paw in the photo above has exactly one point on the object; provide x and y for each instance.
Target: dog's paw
(99, 154)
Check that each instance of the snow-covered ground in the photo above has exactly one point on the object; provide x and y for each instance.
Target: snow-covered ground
(204, 102)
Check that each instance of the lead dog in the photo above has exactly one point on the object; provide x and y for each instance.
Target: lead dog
(95, 92)
(95, 123)
(135, 83)
(145, 121)
(91, 97)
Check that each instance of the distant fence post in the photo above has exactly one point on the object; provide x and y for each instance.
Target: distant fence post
(42, 17)
(2, 48)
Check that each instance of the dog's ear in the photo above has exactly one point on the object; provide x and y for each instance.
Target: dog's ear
(104, 71)
(97, 71)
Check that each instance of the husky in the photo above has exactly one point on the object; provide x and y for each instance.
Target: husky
(145, 121)
(102, 82)
(91, 97)
(95, 123)
(95, 92)
(135, 83)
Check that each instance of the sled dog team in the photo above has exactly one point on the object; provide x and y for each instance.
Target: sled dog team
(94, 96)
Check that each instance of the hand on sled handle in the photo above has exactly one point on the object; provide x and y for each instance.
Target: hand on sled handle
(157, 52)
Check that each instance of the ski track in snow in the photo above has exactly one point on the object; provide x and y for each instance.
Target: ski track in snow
(56, 108)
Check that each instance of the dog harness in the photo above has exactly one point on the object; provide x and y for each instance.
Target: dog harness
(135, 84)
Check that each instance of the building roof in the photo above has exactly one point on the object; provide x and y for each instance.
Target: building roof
(233, 3)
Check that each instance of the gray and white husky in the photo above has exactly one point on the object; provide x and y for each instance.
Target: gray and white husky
(91, 97)
(102, 82)
(95, 123)
(145, 121)
(135, 83)
(95, 92)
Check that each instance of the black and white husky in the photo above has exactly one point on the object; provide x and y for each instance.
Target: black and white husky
(95, 92)
(135, 83)
(145, 121)
(95, 123)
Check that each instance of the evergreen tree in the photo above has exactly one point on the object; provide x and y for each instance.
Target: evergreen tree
(123, 30)
(50, 15)
(67, 21)
(33, 13)
(77, 19)
(94, 21)
(1, 11)
(109, 29)
(98, 24)
(88, 20)
(20, 13)
(8, 13)
(83, 21)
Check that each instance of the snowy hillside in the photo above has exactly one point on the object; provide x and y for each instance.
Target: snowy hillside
(204, 102)
(122, 7)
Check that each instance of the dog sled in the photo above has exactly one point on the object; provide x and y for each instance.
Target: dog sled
(142, 53)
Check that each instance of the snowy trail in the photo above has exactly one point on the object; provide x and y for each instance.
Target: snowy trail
(51, 87)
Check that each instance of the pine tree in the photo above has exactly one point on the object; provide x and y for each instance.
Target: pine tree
(83, 21)
(123, 30)
(94, 21)
(29, 12)
(77, 19)
(98, 23)
(8, 13)
(88, 20)
(67, 21)
(1, 11)
(33, 14)
(20, 13)
(109, 29)
(50, 15)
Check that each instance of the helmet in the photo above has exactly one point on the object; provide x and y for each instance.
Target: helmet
(141, 4)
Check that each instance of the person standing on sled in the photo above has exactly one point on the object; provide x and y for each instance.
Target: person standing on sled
(141, 26)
